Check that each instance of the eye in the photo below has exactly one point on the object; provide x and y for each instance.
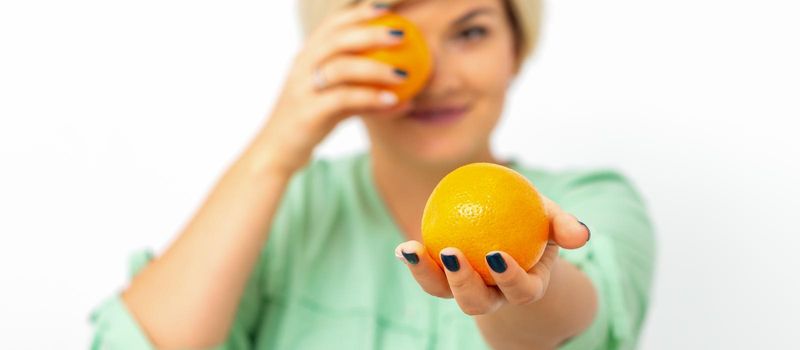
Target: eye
(472, 33)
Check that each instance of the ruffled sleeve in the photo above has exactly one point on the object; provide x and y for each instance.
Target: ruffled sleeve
(116, 328)
(619, 258)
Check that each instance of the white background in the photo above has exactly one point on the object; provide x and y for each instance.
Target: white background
(117, 117)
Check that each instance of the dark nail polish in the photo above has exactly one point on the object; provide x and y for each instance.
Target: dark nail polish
(380, 6)
(396, 33)
(496, 262)
(401, 73)
(450, 262)
(587, 229)
(412, 258)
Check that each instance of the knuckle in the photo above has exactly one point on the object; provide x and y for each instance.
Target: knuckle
(329, 19)
(355, 98)
(362, 37)
(363, 13)
(349, 99)
(338, 42)
(471, 312)
(307, 121)
(348, 68)
(361, 65)
(524, 299)
(349, 15)
(508, 281)
(377, 34)
(331, 73)
(336, 17)
(437, 291)
(331, 102)
(458, 283)
(359, 35)
(473, 308)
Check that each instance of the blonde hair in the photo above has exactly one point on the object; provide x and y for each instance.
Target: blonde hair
(524, 15)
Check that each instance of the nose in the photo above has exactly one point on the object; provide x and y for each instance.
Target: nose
(443, 79)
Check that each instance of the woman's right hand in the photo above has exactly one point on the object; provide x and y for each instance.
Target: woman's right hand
(329, 82)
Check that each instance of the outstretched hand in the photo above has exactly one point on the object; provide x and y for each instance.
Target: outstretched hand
(514, 285)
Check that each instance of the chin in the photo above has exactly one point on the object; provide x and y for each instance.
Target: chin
(443, 145)
(441, 153)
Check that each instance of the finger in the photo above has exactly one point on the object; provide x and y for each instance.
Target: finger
(565, 229)
(424, 269)
(348, 100)
(359, 70)
(518, 287)
(399, 109)
(349, 16)
(472, 294)
(547, 261)
(354, 40)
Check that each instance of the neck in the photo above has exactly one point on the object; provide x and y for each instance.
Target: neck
(404, 185)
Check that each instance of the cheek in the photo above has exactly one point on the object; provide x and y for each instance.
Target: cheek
(491, 83)
(489, 71)
(489, 86)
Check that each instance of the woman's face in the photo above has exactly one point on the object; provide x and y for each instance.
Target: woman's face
(451, 120)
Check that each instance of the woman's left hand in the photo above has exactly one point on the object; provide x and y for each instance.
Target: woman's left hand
(514, 285)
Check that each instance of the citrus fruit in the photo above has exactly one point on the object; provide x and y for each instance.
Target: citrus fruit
(482, 207)
(412, 55)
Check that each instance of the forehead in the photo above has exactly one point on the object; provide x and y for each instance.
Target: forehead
(442, 13)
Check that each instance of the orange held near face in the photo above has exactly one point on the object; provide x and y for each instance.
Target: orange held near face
(480, 208)
(412, 55)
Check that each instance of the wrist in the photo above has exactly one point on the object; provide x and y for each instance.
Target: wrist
(274, 151)
(264, 160)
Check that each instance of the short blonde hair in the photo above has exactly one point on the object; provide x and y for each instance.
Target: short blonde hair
(525, 17)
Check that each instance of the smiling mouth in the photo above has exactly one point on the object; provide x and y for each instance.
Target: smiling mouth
(437, 115)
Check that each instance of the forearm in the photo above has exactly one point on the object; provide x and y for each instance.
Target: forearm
(187, 298)
(567, 308)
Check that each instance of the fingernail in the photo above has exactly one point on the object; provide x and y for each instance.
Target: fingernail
(401, 73)
(496, 262)
(380, 6)
(398, 33)
(587, 229)
(450, 262)
(388, 98)
(412, 258)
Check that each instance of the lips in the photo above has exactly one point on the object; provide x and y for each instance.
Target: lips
(437, 115)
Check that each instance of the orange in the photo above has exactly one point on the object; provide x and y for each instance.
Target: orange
(482, 207)
(412, 55)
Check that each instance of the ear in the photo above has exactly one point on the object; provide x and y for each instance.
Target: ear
(518, 65)
(517, 68)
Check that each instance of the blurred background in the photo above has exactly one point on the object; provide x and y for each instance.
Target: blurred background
(116, 118)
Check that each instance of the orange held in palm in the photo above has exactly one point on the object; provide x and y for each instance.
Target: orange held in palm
(412, 55)
(480, 208)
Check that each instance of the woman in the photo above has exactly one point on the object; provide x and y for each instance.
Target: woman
(287, 254)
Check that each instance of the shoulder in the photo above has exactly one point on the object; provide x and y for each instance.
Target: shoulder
(569, 184)
(322, 190)
(606, 199)
(620, 257)
(331, 169)
(323, 178)
(309, 208)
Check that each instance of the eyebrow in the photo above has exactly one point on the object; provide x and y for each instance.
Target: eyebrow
(472, 14)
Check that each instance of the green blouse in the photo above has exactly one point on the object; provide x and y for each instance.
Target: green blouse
(328, 278)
